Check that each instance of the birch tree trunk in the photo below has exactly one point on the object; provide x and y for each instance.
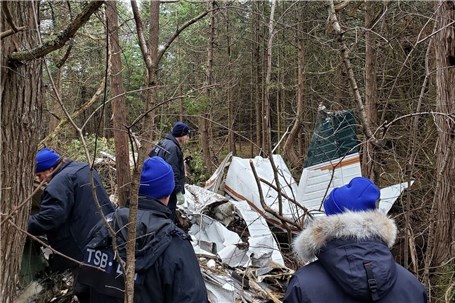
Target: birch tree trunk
(152, 72)
(344, 51)
(266, 142)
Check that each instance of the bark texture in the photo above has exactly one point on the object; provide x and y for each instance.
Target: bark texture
(119, 111)
(20, 119)
(444, 199)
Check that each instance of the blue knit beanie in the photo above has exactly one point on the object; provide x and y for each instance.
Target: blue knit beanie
(157, 178)
(180, 129)
(46, 158)
(360, 194)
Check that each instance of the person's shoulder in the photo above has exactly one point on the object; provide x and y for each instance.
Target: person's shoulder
(407, 288)
(180, 239)
(72, 166)
(405, 276)
(312, 273)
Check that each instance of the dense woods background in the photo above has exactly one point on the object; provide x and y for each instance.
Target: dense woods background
(249, 78)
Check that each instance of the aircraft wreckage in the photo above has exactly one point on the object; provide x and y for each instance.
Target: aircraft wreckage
(235, 221)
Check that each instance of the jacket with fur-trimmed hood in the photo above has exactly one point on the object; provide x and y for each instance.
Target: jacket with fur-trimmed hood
(354, 262)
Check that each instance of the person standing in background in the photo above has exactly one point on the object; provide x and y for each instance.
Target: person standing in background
(170, 149)
(68, 210)
(352, 246)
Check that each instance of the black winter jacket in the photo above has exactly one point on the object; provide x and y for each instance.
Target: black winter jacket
(169, 149)
(68, 212)
(167, 270)
(354, 263)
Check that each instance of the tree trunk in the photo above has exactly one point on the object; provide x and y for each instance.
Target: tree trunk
(205, 116)
(256, 68)
(344, 51)
(443, 212)
(230, 101)
(152, 74)
(122, 161)
(21, 111)
(370, 153)
(266, 146)
(289, 146)
(150, 55)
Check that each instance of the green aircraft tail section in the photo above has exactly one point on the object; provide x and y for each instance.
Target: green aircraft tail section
(334, 137)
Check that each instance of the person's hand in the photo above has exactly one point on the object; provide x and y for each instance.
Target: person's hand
(180, 198)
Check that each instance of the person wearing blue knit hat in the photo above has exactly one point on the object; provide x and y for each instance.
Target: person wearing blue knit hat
(68, 210)
(157, 179)
(347, 253)
(167, 269)
(180, 129)
(46, 158)
(170, 149)
(359, 195)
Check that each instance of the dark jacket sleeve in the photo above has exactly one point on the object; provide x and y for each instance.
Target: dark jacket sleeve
(173, 158)
(181, 276)
(56, 204)
(294, 292)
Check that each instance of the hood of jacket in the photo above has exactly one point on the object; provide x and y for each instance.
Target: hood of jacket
(344, 243)
(154, 232)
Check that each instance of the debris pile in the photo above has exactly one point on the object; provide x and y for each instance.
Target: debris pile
(240, 258)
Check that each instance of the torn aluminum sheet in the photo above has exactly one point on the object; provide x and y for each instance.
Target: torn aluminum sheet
(262, 249)
(223, 288)
(213, 235)
(210, 238)
(197, 199)
(240, 184)
(262, 244)
(220, 288)
(390, 194)
(216, 182)
(318, 181)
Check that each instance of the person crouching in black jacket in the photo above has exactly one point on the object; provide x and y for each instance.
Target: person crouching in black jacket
(167, 270)
(68, 210)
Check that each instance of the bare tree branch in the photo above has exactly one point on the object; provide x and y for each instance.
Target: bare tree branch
(75, 114)
(285, 221)
(10, 32)
(8, 216)
(53, 250)
(61, 38)
(352, 81)
(385, 126)
(140, 35)
(286, 196)
(177, 33)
